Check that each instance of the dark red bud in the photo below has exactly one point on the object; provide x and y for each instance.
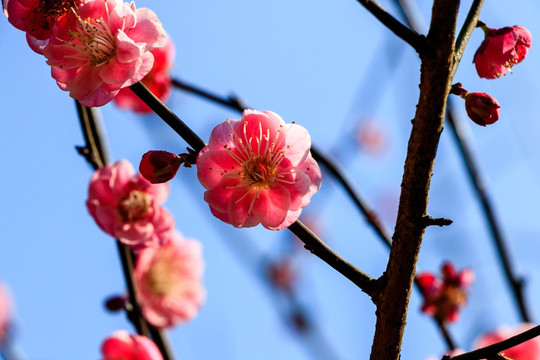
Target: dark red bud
(115, 303)
(159, 166)
(482, 108)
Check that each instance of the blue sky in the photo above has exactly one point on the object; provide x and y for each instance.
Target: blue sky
(327, 66)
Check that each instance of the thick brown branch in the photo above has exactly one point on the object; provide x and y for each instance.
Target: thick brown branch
(427, 127)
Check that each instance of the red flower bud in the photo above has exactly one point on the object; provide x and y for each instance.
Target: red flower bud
(500, 50)
(482, 108)
(159, 166)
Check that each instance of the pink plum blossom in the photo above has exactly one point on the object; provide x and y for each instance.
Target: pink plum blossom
(101, 48)
(443, 297)
(5, 312)
(168, 281)
(123, 346)
(127, 207)
(258, 170)
(37, 17)
(157, 81)
(501, 49)
(529, 350)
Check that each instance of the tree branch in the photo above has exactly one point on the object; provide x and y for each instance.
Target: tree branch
(427, 127)
(94, 152)
(411, 37)
(321, 250)
(492, 350)
(465, 33)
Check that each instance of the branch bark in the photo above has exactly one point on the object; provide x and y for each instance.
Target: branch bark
(435, 85)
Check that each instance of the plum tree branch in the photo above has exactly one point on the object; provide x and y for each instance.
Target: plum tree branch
(493, 349)
(410, 36)
(95, 153)
(435, 85)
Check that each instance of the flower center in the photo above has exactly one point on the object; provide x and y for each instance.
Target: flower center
(163, 276)
(135, 206)
(93, 41)
(257, 171)
(54, 7)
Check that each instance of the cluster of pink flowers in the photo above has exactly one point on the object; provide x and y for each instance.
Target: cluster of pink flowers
(95, 47)
(443, 297)
(168, 271)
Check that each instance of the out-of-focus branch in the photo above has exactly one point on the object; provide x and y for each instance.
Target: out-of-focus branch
(392, 305)
(94, 152)
(491, 351)
(316, 246)
(515, 282)
(411, 37)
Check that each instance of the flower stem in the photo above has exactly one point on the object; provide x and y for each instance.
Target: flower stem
(96, 155)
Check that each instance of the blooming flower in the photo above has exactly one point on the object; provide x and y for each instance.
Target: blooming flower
(168, 281)
(258, 170)
(101, 48)
(157, 81)
(127, 207)
(444, 297)
(5, 312)
(529, 350)
(37, 17)
(123, 346)
(501, 49)
(482, 108)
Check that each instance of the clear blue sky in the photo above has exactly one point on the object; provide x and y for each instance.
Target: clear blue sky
(325, 65)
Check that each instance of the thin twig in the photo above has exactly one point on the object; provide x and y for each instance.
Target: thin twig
(94, 152)
(515, 282)
(168, 116)
(410, 36)
(317, 247)
(492, 350)
(465, 33)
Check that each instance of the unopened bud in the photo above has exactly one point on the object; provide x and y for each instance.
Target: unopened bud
(482, 108)
(159, 166)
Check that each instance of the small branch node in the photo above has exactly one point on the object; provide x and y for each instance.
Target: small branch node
(430, 221)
